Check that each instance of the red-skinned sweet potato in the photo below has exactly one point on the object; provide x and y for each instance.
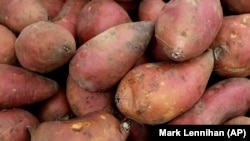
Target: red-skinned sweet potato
(14, 123)
(7, 46)
(237, 6)
(238, 120)
(94, 15)
(103, 60)
(155, 93)
(96, 126)
(231, 47)
(83, 102)
(54, 108)
(223, 100)
(149, 10)
(21, 87)
(186, 28)
(53, 7)
(68, 17)
(17, 14)
(44, 46)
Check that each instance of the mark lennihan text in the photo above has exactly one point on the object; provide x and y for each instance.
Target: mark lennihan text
(207, 132)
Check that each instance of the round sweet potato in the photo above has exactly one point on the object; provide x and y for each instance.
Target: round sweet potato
(44, 46)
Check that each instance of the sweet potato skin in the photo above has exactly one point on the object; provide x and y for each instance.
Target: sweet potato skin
(83, 102)
(21, 87)
(14, 123)
(7, 45)
(97, 126)
(68, 17)
(237, 7)
(161, 87)
(231, 47)
(238, 120)
(225, 99)
(44, 46)
(93, 18)
(54, 108)
(185, 35)
(109, 55)
(31, 12)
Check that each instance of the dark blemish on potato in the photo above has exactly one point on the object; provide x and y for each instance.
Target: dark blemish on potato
(126, 124)
(117, 99)
(184, 34)
(217, 52)
(176, 55)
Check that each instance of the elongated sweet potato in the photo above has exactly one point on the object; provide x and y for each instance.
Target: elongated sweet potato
(231, 47)
(103, 60)
(68, 16)
(44, 46)
(14, 123)
(94, 15)
(154, 93)
(17, 14)
(237, 6)
(53, 7)
(21, 87)
(54, 108)
(97, 126)
(83, 102)
(7, 46)
(220, 102)
(238, 120)
(186, 28)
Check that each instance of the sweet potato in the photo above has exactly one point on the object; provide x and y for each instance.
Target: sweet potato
(97, 126)
(231, 47)
(186, 28)
(55, 107)
(44, 46)
(68, 17)
(103, 60)
(7, 46)
(53, 7)
(225, 99)
(17, 14)
(149, 10)
(154, 93)
(238, 120)
(14, 123)
(94, 15)
(83, 102)
(237, 6)
(21, 87)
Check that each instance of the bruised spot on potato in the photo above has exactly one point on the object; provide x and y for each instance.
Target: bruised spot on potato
(218, 51)
(184, 34)
(66, 48)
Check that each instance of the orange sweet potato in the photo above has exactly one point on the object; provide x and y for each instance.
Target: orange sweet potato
(83, 102)
(231, 47)
(222, 101)
(44, 46)
(97, 126)
(103, 60)
(68, 16)
(7, 46)
(14, 123)
(155, 93)
(21, 87)
(94, 15)
(17, 14)
(186, 28)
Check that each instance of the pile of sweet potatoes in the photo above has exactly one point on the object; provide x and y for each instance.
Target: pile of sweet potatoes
(112, 70)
